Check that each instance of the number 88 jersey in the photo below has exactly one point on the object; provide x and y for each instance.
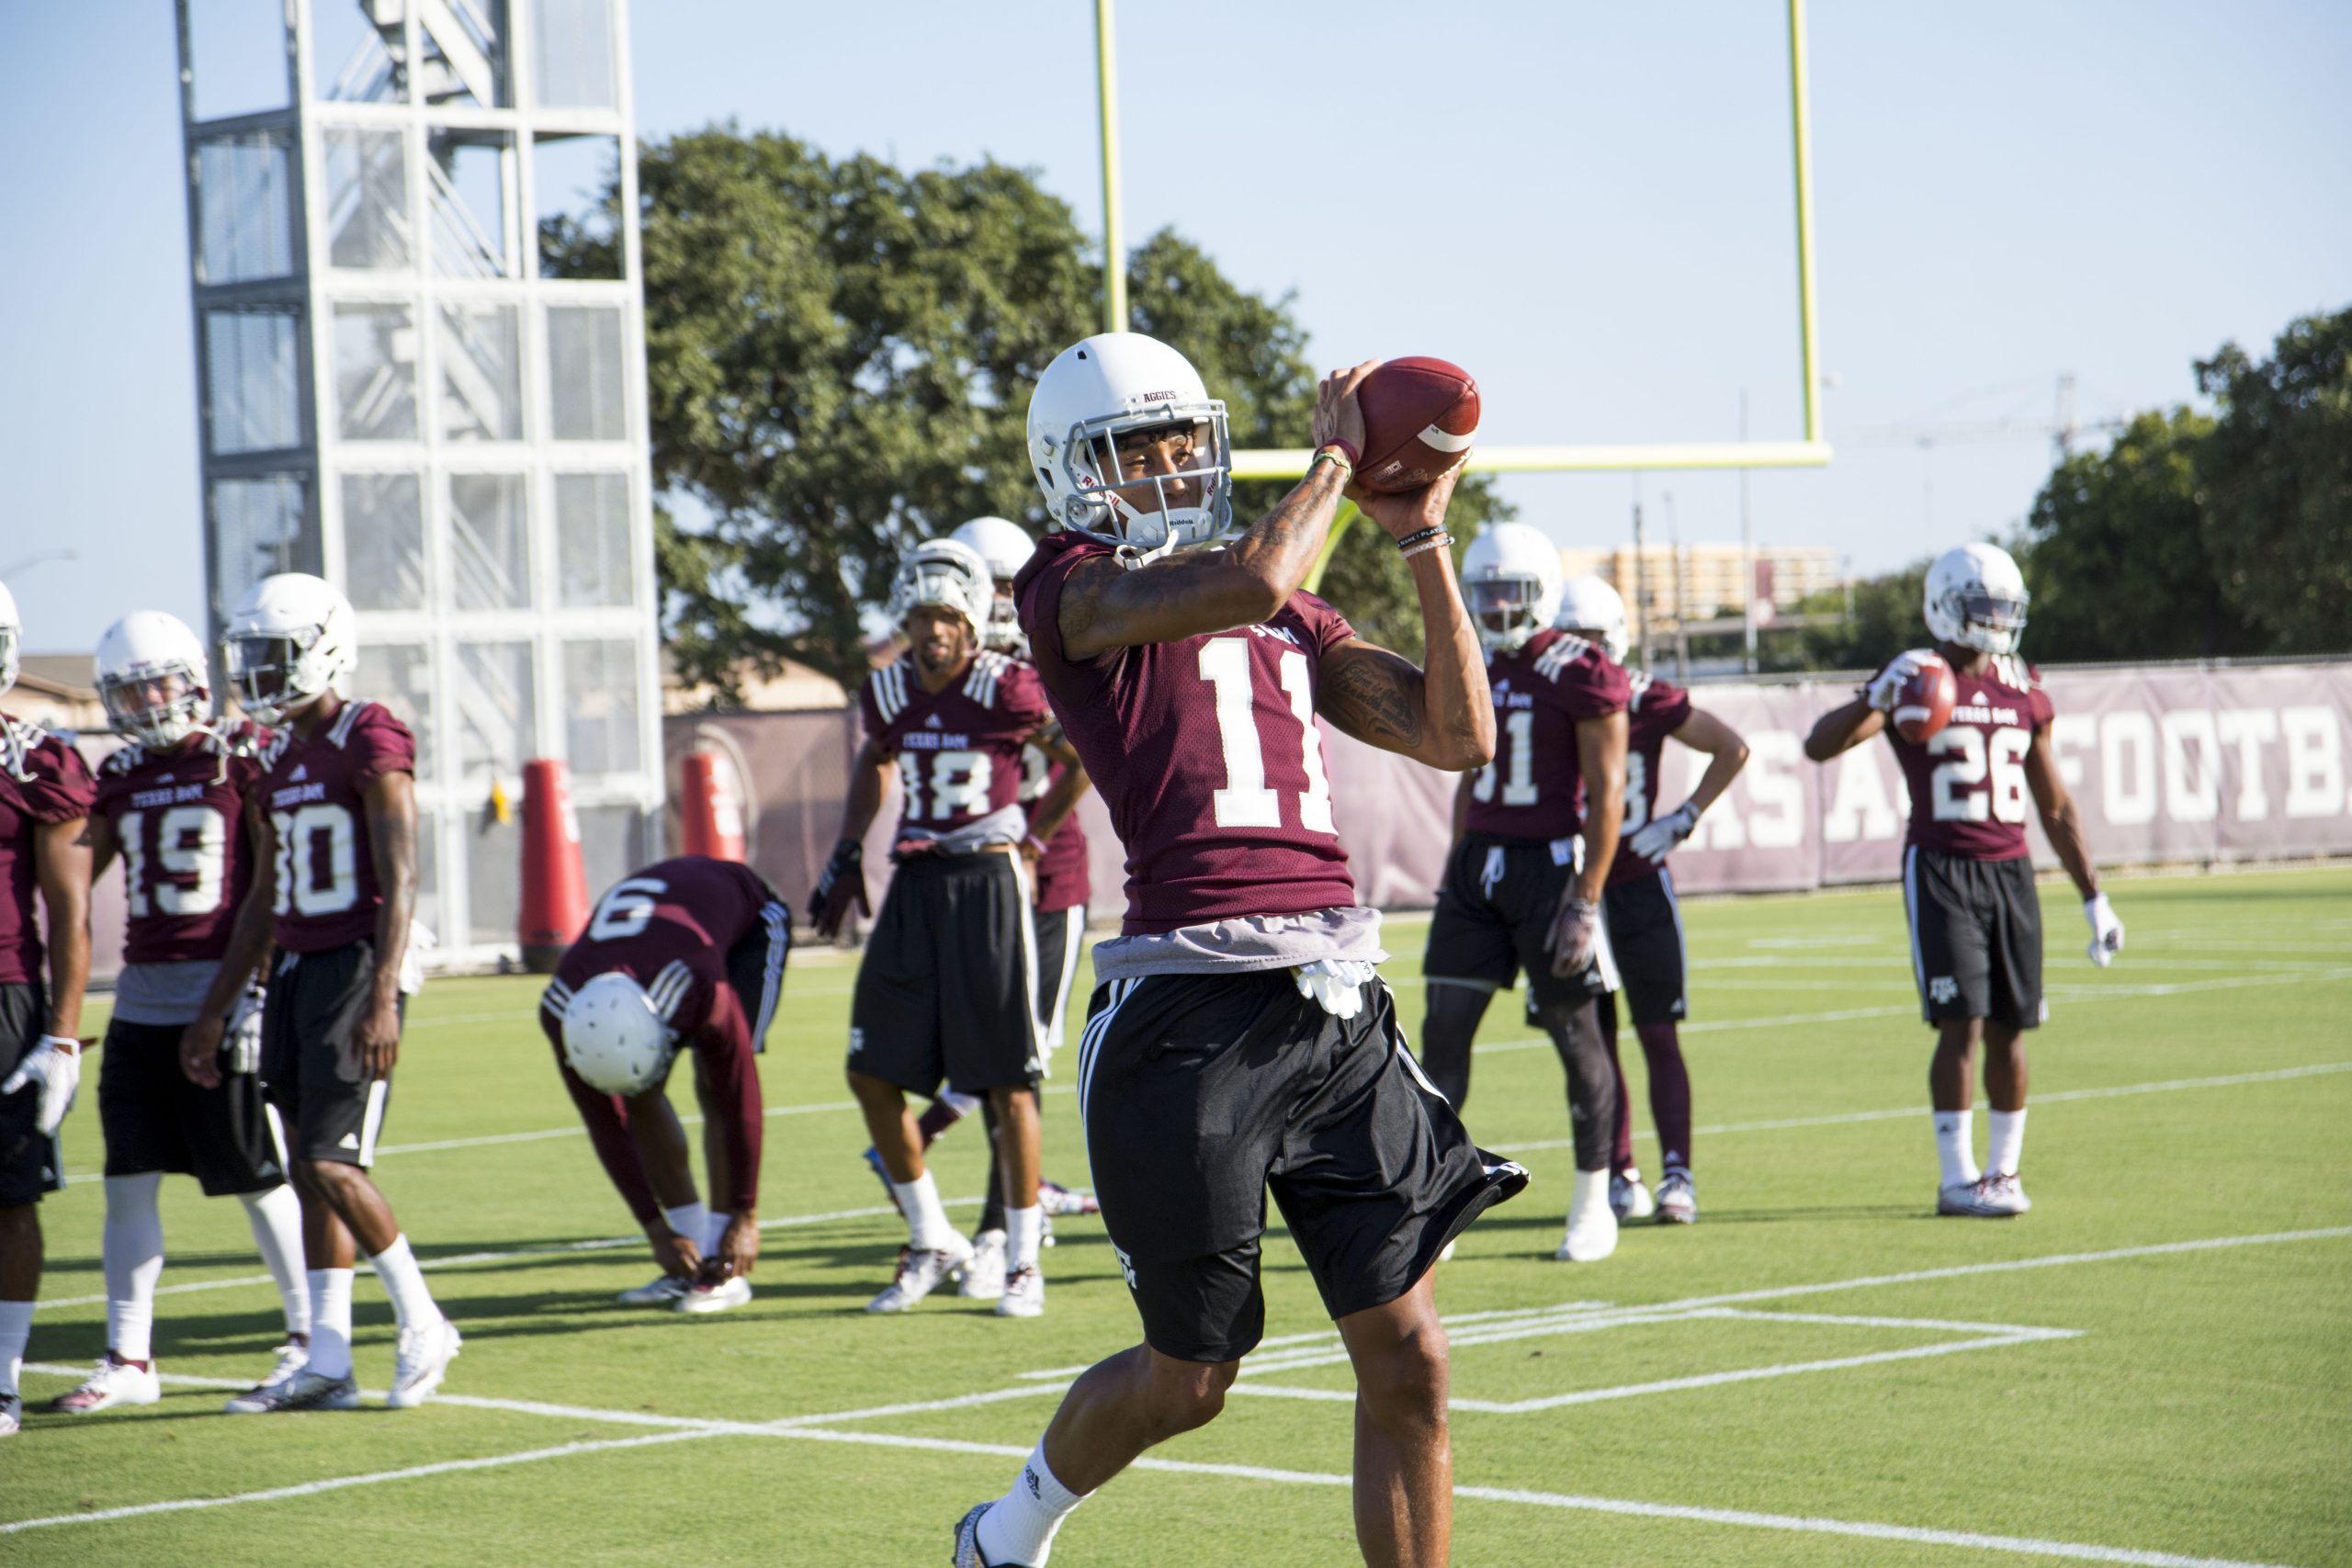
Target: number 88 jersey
(1967, 782)
(178, 819)
(316, 792)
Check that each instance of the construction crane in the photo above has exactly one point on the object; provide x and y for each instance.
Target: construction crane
(2062, 428)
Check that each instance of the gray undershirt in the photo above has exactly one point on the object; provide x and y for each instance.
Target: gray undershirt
(164, 993)
(1007, 825)
(1239, 946)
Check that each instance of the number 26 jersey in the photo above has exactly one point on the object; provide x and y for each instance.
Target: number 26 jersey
(178, 817)
(1969, 797)
(316, 794)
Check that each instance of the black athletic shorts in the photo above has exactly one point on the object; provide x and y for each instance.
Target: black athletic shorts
(309, 1054)
(1645, 939)
(1059, 934)
(1494, 917)
(1976, 937)
(30, 1164)
(155, 1119)
(948, 986)
(1200, 1091)
(755, 968)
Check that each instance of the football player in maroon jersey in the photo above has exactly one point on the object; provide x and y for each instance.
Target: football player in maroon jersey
(947, 990)
(339, 785)
(686, 952)
(1968, 884)
(1522, 886)
(45, 796)
(1638, 904)
(178, 803)
(1239, 1037)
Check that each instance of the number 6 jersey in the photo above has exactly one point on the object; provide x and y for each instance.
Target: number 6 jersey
(316, 792)
(1969, 797)
(178, 817)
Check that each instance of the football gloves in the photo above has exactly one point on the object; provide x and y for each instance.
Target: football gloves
(1655, 841)
(1885, 688)
(55, 1067)
(2107, 931)
(1335, 985)
(842, 884)
(241, 1036)
(1574, 933)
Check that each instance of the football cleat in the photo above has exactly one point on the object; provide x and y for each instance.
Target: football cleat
(1628, 1199)
(967, 1542)
(1593, 1225)
(12, 1411)
(731, 1291)
(1677, 1200)
(922, 1272)
(292, 1356)
(421, 1361)
(1024, 1294)
(2005, 1188)
(1986, 1198)
(662, 1291)
(1057, 1200)
(306, 1390)
(984, 1275)
(882, 1174)
(113, 1383)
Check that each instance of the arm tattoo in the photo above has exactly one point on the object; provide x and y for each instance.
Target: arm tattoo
(1374, 695)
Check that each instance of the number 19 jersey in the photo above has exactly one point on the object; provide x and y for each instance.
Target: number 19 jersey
(1533, 789)
(316, 792)
(178, 817)
(1969, 797)
(1205, 752)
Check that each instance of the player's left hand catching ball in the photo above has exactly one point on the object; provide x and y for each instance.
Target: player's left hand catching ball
(2107, 931)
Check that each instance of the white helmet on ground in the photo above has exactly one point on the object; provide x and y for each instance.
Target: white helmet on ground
(1006, 546)
(139, 658)
(614, 1039)
(944, 574)
(1588, 605)
(1100, 388)
(1976, 598)
(1510, 577)
(11, 639)
(291, 639)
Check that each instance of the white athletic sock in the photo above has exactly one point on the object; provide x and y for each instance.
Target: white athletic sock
(689, 1219)
(965, 1104)
(276, 1219)
(1023, 1230)
(331, 1322)
(1020, 1527)
(15, 1327)
(927, 1227)
(131, 1253)
(404, 1283)
(1956, 1146)
(714, 1231)
(2006, 1141)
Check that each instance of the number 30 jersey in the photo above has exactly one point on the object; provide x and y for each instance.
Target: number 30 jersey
(316, 793)
(1969, 795)
(178, 819)
(1534, 788)
(958, 749)
(1205, 752)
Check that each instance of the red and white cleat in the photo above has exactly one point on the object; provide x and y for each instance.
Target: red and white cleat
(1677, 1200)
(1986, 1198)
(114, 1383)
(922, 1272)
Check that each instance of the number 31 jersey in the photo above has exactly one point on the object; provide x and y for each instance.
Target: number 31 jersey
(1205, 752)
(1534, 788)
(1969, 797)
(316, 792)
(178, 817)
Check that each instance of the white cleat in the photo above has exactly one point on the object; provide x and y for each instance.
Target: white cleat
(292, 1356)
(1986, 1198)
(1628, 1199)
(306, 1390)
(1024, 1293)
(421, 1362)
(112, 1383)
(1677, 1200)
(662, 1291)
(11, 1416)
(732, 1292)
(921, 1272)
(1593, 1225)
(984, 1275)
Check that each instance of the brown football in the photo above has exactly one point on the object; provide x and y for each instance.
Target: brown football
(1924, 704)
(1419, 418)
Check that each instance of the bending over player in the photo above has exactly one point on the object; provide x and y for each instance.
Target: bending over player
(1968, 885)
(1240, 1036)
(686, 952)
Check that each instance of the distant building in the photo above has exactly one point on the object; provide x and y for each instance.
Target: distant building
(58, 690)
(794, 688)
(1702, 581)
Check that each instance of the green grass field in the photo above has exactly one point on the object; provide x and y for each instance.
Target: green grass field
(2154, 1366)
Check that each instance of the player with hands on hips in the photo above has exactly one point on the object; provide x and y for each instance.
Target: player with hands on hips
(1968, 885)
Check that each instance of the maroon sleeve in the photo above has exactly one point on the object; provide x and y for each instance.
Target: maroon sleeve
(1021, 694)
(606, 1118)
(1325, 625)
(1037, 595)
(723, 1045)
(869, 712)
(2038, 695)
(1594, 686)
(61, 788)
(1667, 706)
(379, 744)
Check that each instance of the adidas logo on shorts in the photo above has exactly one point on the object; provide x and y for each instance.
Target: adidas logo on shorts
(857, 1041)
(348, 1141)
(1943, 988)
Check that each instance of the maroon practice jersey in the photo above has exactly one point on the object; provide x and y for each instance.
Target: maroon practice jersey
(669, 928)
(1654, 710)
(316, 791)
(1969, 795)
(178, 817)
(1205, 751)
(958, 750)
(1062, 879)
(1533, 788)
(43, 781)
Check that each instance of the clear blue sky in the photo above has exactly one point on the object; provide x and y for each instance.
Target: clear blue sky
(1588, 204)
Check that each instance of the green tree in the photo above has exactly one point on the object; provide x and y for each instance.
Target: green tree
(2277, 477)
(1882, 622)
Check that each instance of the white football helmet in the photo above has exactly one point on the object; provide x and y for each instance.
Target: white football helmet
(1589, 605)
(1510, 576)
(11, 639)
(291, 638)
(138, 657)
(1100, 388)
(614, 1039)
(945, 573)
(1976, 598)
(1006, 546)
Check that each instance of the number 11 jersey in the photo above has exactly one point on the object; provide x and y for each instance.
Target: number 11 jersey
(316, 792)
